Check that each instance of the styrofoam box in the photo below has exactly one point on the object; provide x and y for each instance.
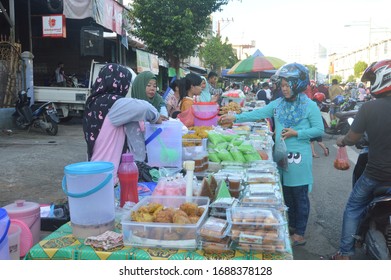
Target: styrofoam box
(164, 235)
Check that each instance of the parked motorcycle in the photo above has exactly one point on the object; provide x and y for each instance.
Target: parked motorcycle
(374, 232)
(341, 125)
(38, 116)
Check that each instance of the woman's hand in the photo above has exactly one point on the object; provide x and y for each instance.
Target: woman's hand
(288, 132)
(161, 119)
(227, 119)
(215, 98)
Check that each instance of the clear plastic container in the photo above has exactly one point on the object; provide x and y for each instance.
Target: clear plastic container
(216, 247)
(214, 229)
(255, 178)
(164, 235)
(243, 216)
(262, 189)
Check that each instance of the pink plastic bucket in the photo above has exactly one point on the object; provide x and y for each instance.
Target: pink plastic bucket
(205, 113)
(29, 213)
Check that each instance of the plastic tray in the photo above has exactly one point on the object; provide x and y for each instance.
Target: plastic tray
(164, 235)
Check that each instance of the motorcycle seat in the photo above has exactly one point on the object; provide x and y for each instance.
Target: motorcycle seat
(382, 190)
(346, 114)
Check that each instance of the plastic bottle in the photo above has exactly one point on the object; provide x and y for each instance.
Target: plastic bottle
(128, 178)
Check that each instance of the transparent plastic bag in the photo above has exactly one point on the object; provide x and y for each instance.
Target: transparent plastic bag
(280, 155)
(341, 162)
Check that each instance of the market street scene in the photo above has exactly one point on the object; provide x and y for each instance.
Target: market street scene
(180, 130)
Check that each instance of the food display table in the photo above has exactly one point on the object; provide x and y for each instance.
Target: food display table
(62, 245)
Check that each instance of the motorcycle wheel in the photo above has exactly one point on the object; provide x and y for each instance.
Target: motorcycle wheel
(54, 128)
(20, 122)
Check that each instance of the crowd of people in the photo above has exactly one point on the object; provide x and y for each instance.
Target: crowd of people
(113, 124)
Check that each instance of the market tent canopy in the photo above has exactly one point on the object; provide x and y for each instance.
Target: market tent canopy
(256, 63)
(250, 75)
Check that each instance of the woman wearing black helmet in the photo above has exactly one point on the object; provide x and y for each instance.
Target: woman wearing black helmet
(297, 120)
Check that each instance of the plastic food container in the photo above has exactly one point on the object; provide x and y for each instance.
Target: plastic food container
(248, 217)
(214, 229)
(216, 247)
(164, 235)
(262, 189)
(255, 178)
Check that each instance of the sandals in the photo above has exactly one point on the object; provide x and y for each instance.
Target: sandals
(295, 243)
(298, 243)
(338, 257)
(326, 153)
(315, 156)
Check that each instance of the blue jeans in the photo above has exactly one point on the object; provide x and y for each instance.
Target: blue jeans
(360, 197)
(298, 203)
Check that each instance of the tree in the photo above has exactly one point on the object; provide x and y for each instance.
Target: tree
(173, 29)
(351, 78)
(359, 68)
(312, 71)
(216, 54)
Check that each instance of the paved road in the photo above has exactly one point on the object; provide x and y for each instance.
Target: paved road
(32, 166)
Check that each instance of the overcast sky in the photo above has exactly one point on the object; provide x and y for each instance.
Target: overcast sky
(280, 27)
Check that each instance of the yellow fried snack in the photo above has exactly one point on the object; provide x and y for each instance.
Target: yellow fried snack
(164, 216)
(189, 208)
(194, 219)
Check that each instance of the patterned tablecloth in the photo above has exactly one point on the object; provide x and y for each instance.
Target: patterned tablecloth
(62, 245)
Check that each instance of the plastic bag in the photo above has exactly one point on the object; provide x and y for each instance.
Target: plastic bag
(187, 117)
(281, 154)
(341, 162)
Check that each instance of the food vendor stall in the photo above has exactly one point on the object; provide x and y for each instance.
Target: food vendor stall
(236, 211)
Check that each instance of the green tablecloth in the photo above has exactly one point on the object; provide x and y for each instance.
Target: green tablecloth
(62, 245)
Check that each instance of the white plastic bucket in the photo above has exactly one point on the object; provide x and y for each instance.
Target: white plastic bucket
(14, 241)
(4, 226)
(164, 144)
(90, 190)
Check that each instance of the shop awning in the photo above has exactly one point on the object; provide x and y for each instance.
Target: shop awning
(182, 72)
(197, 69)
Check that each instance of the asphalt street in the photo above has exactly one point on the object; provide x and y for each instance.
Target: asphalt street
(32, 167)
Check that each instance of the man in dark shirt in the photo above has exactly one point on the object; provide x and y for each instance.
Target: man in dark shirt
(264, 93)
(372, 118)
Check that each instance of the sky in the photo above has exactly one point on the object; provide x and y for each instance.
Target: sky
(292, 30)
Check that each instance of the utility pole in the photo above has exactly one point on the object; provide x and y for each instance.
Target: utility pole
(228, 21)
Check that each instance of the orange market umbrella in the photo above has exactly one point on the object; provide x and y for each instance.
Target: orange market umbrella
(256, 64)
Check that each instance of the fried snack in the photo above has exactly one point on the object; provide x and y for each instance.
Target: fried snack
(142, 217)
(230, 107)
(179, 219)
(188, 234)
(178, 213)
(194, 219)
(171, 236)
(200, 211)
(164, 216)
(156, 233)
(141, 233)
(182, 220)
(189, 208)
(153, 207)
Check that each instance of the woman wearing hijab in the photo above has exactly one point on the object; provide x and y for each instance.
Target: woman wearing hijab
(297, 120)
(108, 115)
(144, 87)
(205, 93)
